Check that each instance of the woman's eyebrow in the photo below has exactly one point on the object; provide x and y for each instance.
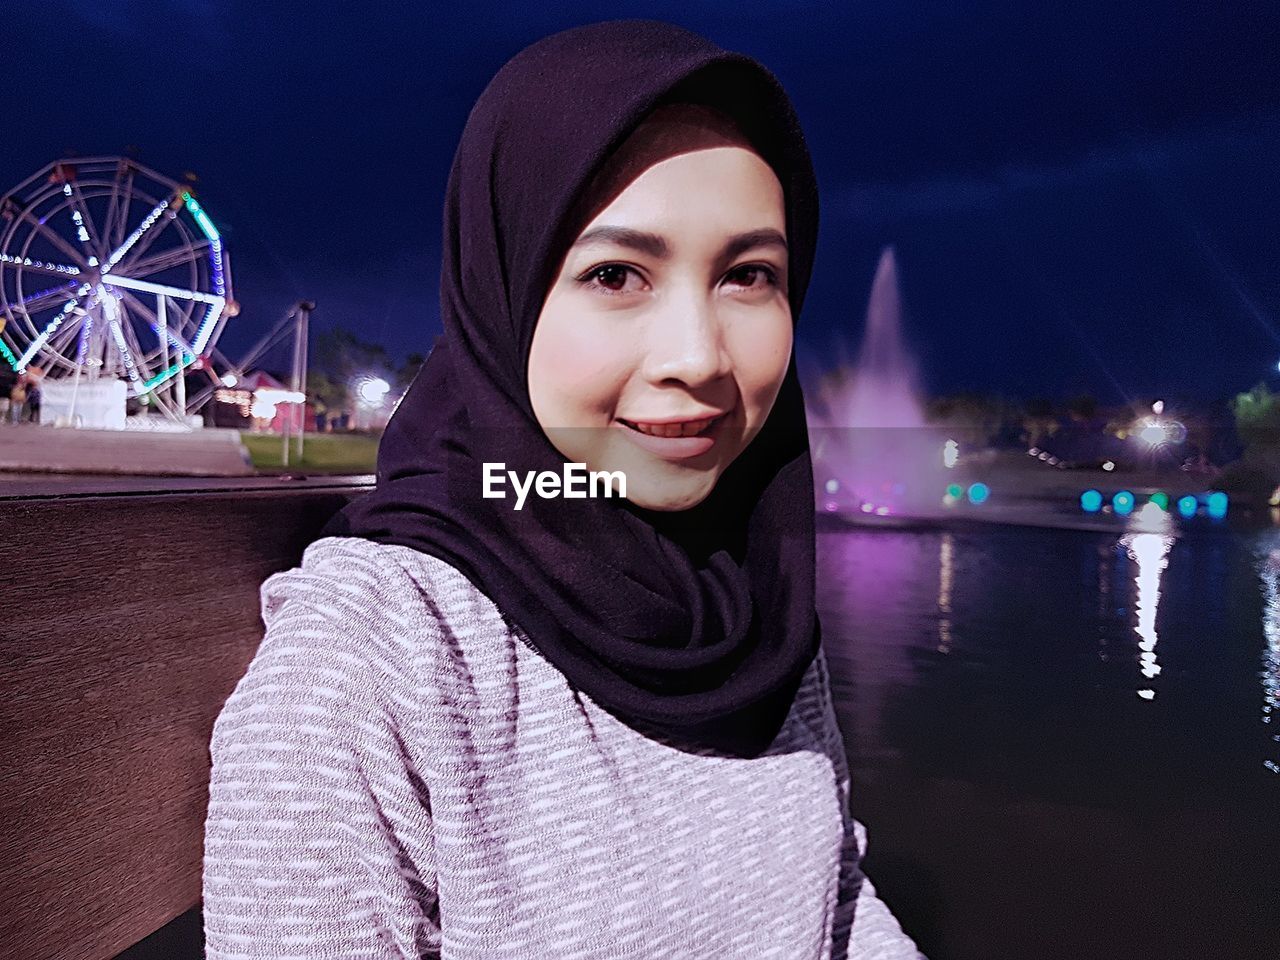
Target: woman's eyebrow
(656, 246)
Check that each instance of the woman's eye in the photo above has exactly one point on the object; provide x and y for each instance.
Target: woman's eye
(750, 275)
(610, 278)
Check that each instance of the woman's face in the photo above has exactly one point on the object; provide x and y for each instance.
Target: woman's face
(665, 337)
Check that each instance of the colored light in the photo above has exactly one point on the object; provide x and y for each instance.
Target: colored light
(1160, 499)
(1123, 502)
(1187, 506)
(1091, 501)
(955, 491)
(979, 492)
(165, 374)
(200, 216)
(1217, 505)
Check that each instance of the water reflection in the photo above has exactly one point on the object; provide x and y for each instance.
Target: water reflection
(986, 682)
(1148, 546)
(1271, 654)
(946, 573)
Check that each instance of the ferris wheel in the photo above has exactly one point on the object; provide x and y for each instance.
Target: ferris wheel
(111, 270)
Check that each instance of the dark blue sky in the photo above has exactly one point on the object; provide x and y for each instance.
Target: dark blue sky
(1082, 199)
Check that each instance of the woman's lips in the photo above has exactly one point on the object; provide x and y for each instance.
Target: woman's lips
(685, 439)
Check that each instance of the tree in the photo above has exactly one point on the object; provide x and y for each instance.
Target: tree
(330, 397)
(1083, 407)
(407, 371)
(343, 356)
(339, 358)
(973, 418)
(1257, 416)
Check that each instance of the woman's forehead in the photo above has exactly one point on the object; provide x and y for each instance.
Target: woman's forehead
(670, 129)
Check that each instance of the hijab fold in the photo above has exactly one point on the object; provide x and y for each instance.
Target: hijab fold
(694, 626)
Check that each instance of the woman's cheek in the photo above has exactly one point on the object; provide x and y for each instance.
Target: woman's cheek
(763, 357)
(575, 365)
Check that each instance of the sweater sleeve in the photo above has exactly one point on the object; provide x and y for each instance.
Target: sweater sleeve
(317, 844)
(864, 926)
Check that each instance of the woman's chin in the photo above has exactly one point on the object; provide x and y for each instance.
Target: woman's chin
(661, 494)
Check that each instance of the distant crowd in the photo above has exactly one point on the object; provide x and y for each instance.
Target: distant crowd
(20, 394)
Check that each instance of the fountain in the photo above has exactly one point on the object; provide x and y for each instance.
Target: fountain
(873, 452)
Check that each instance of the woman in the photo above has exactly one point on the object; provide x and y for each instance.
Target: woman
(587, 727)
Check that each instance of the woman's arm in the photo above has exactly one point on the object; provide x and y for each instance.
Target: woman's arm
(315, 844)
(864, 926)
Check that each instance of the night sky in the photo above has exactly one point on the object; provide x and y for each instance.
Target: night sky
(1083, 197)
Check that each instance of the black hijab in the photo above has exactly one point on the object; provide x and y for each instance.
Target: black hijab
(694, 626)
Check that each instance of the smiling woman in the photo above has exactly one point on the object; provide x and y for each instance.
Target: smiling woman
(587, 728)
(669, 319)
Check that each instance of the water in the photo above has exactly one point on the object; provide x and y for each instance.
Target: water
(1062, 748)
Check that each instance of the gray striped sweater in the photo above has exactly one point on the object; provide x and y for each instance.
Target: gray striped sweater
(399, 774)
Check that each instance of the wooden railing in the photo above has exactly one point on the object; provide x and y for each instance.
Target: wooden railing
(127, 619)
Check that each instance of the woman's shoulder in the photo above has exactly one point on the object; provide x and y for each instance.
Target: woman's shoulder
(365, 589)
(360, 631)
(362, 571)
(369, 613)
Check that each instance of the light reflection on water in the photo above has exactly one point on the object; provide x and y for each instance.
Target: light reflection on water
(1270, 673)
(946, 574)
(1017, 608)
(1150, 551)
(997, 689)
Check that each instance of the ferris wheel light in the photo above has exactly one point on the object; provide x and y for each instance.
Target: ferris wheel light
(112, 327)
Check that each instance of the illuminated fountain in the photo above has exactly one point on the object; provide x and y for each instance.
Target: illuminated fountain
(873, 452)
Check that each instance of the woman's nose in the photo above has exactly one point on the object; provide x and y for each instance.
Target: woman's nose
(685, 343)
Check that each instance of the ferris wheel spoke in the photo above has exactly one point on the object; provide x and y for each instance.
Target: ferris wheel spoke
(127, 244)
(145, 240)
(117, 209)
(50, 328)
(61, 339)
(87, 230)
(54, 239)
(150, 316)
(36, 302)
(164, 261)
(135, 345)
(126, 355)
(146, 286)
(40, 266)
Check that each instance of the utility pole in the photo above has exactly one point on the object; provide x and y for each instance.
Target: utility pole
(298, 379)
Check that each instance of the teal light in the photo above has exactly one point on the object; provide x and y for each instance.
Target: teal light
(1217, 504)
(979, 492)
(1160, 499)
(1122, 502)
(8, 355)
(955, 491)
(1187, 506)
(1091, 501)
(166, 374)
(201, 217)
